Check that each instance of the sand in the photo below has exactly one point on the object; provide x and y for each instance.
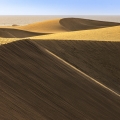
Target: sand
(71, 74)
(65, 29)
(37, 85)
(16, 33)
(99, 59)
(102, 34)
(8, 40)
(74, 24)
(6, 34)
(50, 26)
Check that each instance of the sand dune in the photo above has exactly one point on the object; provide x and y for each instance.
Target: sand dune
(36, 85)
(74, 24)
(66, 24)
(100, 60)
(8, 40)
(73, 74)
(104, 34)
(50, 26)
(16, 33)
(6, 34)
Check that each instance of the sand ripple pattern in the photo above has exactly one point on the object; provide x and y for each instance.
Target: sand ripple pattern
(35, 85)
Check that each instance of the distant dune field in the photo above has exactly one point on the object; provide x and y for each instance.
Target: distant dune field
(66, 27)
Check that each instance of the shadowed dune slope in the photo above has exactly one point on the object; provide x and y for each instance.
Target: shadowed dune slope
(74, 24)
(104, 34)
(50, 26)
(5, 34)
(11, 33)
(100, 60)
(37, 86)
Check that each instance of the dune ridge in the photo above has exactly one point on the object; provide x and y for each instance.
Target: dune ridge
(98, 59)
(9, 40)
(49, 26)
(67, 24)
(39, 86)
(83, 74)
(74, 24)
(90, 29)
(102, 34)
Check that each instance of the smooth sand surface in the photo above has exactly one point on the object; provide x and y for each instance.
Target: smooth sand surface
(6, 34)
(74, 24)
(102, 34)
(64, 29)
(16, 33)
(66, 24)
(50, 26)
(36, 85)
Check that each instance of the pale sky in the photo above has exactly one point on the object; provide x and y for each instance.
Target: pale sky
(59, 7)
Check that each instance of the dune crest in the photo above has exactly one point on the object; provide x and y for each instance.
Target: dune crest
(63, 26)
(50, 26)
(98, 59)
(102, 34)
(8, 40)
(74, 24)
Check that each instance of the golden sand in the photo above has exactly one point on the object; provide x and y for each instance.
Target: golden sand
(105, 34)
(8, 40)
(50, 26)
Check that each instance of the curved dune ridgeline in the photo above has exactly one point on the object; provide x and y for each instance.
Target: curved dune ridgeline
(66, 28)
(100, 60)
(102, 34)
(16, 33)
(36, 85)
(66, 24)
(8, 40)
(50, 26)
(74, 24)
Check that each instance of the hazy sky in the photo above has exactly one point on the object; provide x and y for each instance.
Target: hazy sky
(59, 7)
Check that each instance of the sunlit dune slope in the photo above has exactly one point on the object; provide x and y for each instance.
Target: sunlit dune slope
(50, 26)
(8, 40)
(104, 34)
(100, 60)
(66, 24)
(73, 24)
(35, 85)
(11, 32)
